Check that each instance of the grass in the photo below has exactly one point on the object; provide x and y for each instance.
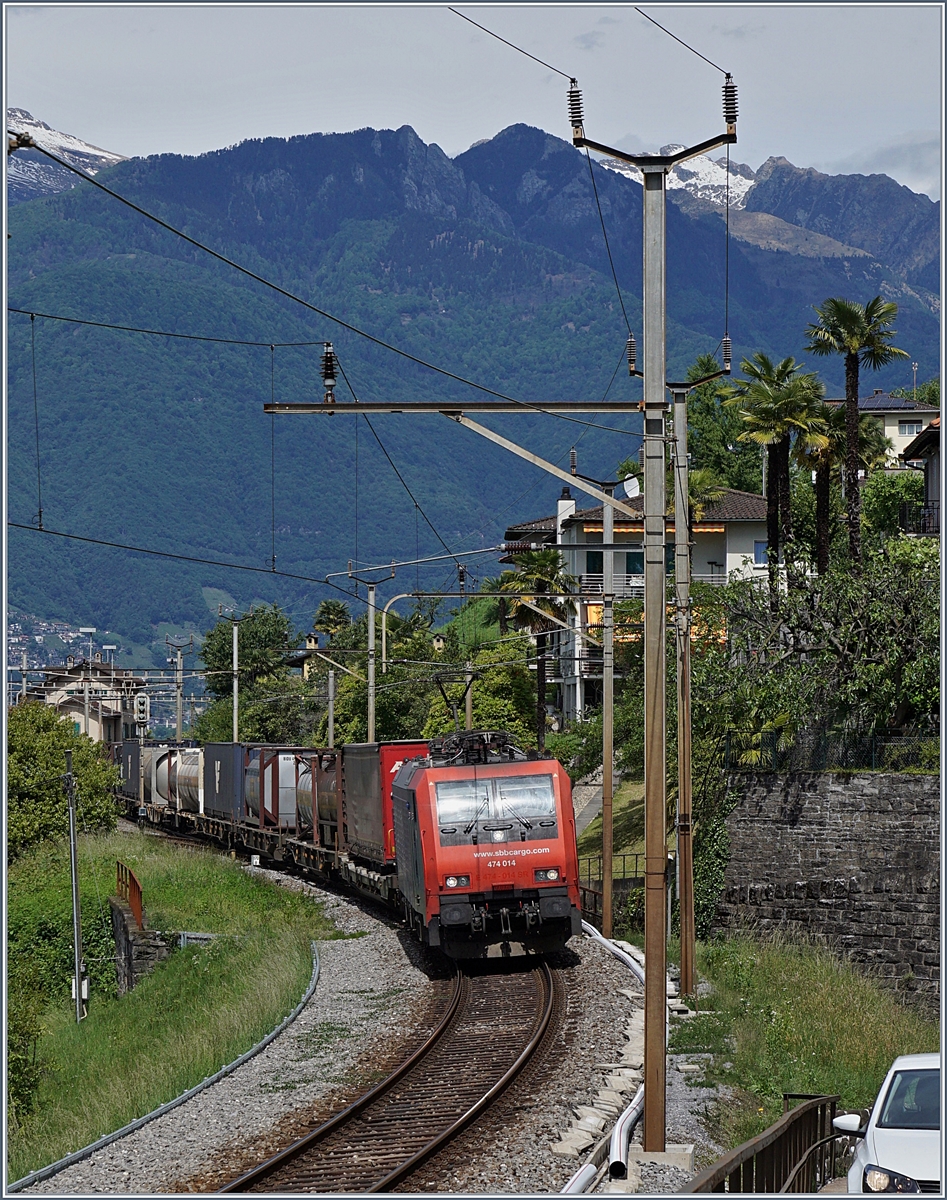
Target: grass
(627, 823)
(198, 1010)
(792, 1017)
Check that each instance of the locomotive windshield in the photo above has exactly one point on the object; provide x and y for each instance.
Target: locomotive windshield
(507, 808)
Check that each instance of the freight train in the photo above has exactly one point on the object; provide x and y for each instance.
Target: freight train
(471, 839)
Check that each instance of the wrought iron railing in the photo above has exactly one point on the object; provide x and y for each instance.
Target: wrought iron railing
(921, 519)
(797, 1154)
(129, 889)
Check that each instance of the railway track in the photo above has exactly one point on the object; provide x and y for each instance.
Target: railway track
(493, 1026)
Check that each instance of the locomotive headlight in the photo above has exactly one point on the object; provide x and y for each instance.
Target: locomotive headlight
(546, 875)
(453, 881)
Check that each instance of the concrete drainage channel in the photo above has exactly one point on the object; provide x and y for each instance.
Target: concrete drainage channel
(612, 1165)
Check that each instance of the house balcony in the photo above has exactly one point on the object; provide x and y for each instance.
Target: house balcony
(920, 519)
(631, 587)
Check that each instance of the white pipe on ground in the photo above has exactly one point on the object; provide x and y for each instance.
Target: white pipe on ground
(621, 1136)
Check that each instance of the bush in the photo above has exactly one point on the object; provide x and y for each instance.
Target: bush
(37, 739)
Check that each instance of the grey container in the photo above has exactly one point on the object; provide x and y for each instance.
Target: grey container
(224, 780)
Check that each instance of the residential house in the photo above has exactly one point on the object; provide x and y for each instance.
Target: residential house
(924, 518)
(97, 696)
(900, 418)
(728, 540)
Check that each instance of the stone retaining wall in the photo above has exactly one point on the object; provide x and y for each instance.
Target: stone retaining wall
(137, 951)
(852, 858)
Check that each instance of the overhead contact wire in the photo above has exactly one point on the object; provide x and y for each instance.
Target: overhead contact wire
(392, 465)
(312, 307)
(209, 562)
(190, 337)
(273, 459)
(39, 480)
(608, 249)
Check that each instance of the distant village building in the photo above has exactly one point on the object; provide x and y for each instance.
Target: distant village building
(729, 540)
(96, 696)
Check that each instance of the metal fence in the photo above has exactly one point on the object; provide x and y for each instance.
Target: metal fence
(627, 875)
(921, 519)
(817, 751)
(128, 889)
(797, 1154)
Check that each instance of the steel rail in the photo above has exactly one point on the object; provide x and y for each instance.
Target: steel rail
(260, 1172)
(475, 1109)
(465, 1001)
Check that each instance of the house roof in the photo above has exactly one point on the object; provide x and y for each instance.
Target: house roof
(926, 442)
(734, 506)
(882, 401)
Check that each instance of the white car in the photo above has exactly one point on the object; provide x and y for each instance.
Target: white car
(900, 1147)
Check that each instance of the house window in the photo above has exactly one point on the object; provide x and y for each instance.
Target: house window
(759, 554)
(594, 564)
(634, 562)
(909, 428)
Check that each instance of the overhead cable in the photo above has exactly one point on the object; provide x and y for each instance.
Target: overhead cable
(210, 562)
(190, 337)
(512, 45)
(305, 303)
(682, 42)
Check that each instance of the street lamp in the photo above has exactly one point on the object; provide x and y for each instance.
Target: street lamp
(914, 369)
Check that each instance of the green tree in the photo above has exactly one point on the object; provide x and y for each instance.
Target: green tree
(928, 393)
(276, 704)
(264, 636)
(862, 335)
(713, 432)
(332, 616)
(37, 739)
(539, 572)
(776, 403)
(883, 495)
(498, 608)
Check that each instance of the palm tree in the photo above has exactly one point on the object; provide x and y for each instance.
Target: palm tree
(703, 488)
(874, 449)
(497, 608)
(776, 403)
(538, 572)
(332, 616)
(861, 334)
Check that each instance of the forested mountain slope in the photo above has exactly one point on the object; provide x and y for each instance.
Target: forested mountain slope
(491, 265)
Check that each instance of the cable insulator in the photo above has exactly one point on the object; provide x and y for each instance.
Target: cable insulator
(329, 371)
(576, 116)
(730, 102)
(727, 351)
(631, 353)
(573, 461)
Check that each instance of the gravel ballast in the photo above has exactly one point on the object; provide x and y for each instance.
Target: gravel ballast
(378, 995)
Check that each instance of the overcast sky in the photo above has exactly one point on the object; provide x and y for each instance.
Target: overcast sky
(845, 87)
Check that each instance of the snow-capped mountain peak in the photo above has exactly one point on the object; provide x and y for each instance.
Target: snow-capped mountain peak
(701, 176)
(31, 174)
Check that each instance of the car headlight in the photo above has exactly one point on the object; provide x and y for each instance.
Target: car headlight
(453, 881)
(546, 875)
(877, 1179)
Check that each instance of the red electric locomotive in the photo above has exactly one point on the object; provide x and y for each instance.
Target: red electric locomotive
(485, 845)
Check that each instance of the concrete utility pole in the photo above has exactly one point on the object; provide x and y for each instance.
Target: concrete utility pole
(371, 662)
(608, 707)
(331, 710)
(23, 662)
(235, 668)
(78, 966)
(180, 648)
(682, 582)
(654, 168)
(468, 696)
